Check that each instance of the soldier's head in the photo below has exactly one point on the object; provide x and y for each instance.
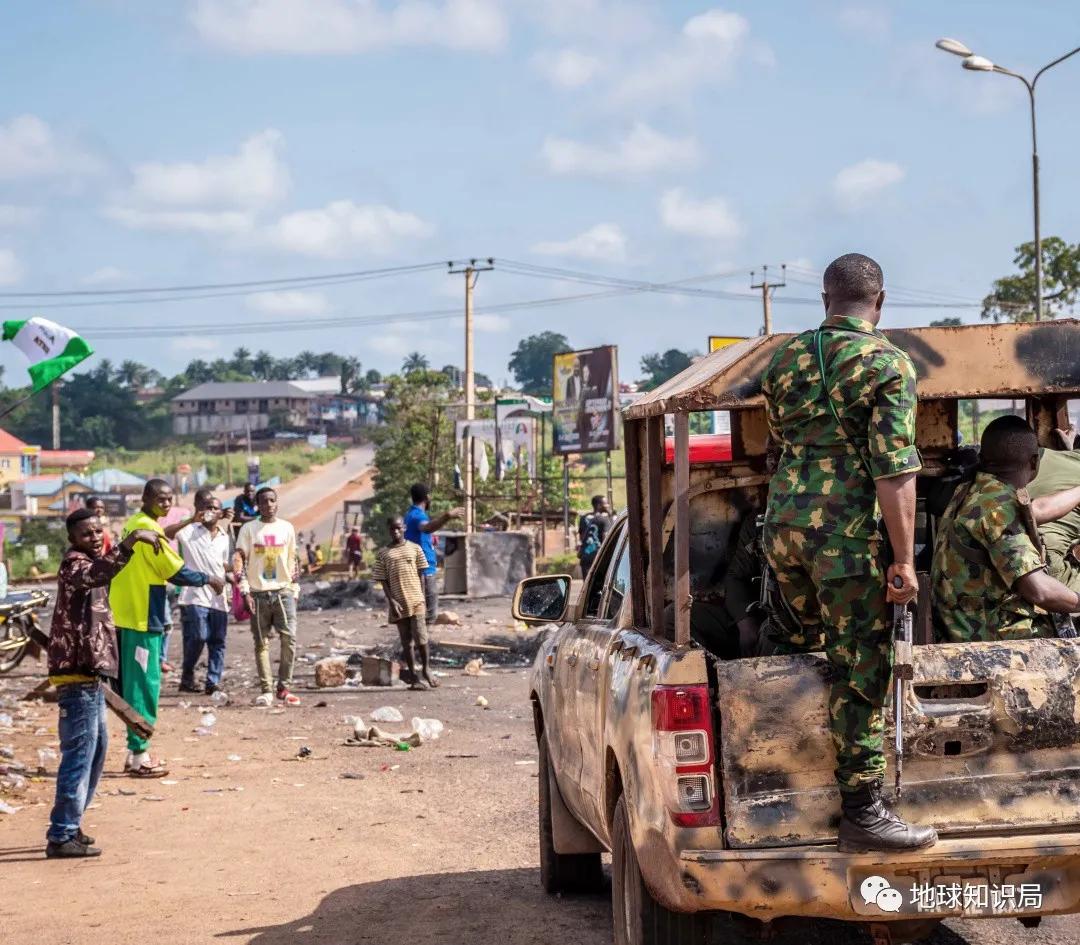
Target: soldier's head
(854, 285)
(1010, 450)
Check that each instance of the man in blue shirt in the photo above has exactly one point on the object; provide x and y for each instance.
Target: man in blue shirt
(419, 527)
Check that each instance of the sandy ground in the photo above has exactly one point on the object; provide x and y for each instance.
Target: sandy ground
(244, 843)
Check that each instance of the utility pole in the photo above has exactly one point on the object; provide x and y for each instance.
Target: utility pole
(766, 293)
(471, 271)
(56, 415)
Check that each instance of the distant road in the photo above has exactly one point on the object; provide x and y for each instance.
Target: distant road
(310, 501)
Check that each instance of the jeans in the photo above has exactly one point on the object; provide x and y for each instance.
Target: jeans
(203, 626)
(431, 596)
(84, 739)
(274, 610)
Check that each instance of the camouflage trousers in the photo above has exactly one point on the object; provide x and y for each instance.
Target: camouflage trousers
(836, 587)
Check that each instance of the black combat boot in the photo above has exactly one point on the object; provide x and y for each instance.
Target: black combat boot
(867, 824)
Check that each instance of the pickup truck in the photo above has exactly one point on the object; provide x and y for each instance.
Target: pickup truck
(709, 777)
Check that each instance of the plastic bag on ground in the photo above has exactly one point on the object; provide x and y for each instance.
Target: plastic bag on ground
(428, 729)
(387, 713)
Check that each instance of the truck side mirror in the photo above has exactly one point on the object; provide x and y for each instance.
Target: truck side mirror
(542, 599)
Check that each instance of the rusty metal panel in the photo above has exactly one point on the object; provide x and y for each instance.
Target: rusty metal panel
(992, 742)
(1006, 360)
(654, 459)
(682, 529)
(749, 432)
(632, 432)
(935, 424)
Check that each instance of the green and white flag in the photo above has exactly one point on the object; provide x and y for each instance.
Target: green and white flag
(51, 349)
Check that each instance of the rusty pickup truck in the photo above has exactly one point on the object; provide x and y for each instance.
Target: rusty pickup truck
(709, 778)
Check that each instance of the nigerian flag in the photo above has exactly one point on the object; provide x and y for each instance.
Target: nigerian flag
(51, 349)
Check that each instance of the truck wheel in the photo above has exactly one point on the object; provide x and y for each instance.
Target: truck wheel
(640, 919)
(562, 872)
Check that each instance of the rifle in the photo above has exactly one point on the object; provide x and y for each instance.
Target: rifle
(903, 674)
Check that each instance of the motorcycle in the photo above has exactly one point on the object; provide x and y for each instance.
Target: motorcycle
(18, 619)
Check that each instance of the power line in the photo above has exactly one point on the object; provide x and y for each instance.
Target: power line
(212, 286)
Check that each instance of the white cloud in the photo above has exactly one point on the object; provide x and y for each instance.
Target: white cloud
(11, 270)
(711, 218)
(489, 323)
(13, 216)
(289, 302)
(856, 186)
(343, 228)
(312, 27)
(568, 68)
(30, 148)
(706, 52)
(202, 344)
(107, 275)
(865, 21)
(604, 242)
(253, 177)
(642, 151)
(206, 222)
(390, 344)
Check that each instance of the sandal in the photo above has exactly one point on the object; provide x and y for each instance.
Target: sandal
(154, 769)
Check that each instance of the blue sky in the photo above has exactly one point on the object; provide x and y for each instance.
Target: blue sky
(211, 141)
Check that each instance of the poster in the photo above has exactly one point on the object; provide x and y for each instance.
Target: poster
(513, 436)
(716, 342)
(586, 386)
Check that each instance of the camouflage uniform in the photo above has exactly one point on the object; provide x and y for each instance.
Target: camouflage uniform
(821, 535)
(1059, 469)
(984, 546)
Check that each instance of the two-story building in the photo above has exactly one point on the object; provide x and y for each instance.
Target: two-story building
(238, 406)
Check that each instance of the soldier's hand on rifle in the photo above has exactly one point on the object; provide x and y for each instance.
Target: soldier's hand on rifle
(909, 584)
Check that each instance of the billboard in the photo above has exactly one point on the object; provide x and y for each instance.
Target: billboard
(716, 342)
(585, 395)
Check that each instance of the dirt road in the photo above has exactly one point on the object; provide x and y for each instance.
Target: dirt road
(244, 843)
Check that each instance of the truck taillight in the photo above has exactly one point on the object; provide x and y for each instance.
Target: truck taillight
(683, 739)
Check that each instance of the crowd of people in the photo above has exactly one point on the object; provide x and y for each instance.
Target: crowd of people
(112, 615)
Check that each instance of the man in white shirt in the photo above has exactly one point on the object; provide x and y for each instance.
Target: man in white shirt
(204, 614)
(268, 569)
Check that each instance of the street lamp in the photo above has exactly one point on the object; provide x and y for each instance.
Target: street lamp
(975, 63)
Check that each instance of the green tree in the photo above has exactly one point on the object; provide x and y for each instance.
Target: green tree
(262, 365)
(1012, 298)
(351, 379)
(306, 363)
(531, 362)
(414, 363)
(133, 374)
(241, 361)
(662, 367)
(950, 322)
(417, 429)
(373, 377)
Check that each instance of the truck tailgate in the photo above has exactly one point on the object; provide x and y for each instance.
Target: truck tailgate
(992, 742)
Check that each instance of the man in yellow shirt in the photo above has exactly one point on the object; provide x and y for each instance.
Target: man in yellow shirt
(137, 598)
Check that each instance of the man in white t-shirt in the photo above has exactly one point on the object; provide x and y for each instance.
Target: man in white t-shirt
(269, 568)
(204, 615)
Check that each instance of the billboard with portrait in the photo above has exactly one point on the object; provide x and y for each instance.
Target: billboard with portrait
(585, 397)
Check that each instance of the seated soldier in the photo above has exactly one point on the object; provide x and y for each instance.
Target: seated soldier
(1055, 495)
(988, 574)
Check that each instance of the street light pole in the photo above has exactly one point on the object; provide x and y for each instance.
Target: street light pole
(981, 64)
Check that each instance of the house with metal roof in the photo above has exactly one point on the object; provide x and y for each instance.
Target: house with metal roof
(239, 406)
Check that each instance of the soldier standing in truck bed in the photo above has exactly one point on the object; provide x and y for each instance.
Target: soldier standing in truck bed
(841, 405)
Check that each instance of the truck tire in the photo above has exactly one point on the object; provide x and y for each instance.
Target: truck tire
(639, 919)
(562, 872)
